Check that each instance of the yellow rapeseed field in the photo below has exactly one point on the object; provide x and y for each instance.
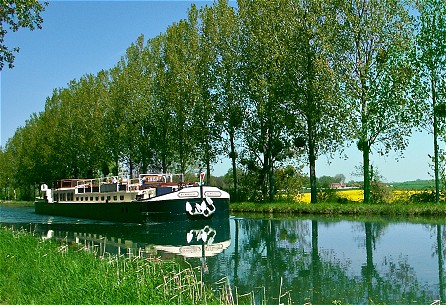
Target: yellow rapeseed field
(358, 195)
(353, 195)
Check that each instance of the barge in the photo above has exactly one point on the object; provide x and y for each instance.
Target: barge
(150, 198)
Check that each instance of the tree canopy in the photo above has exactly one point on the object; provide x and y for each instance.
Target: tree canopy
(270, 84)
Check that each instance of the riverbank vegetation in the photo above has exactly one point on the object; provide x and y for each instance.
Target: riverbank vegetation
(337, 209)
(34, 271)
(268, 84)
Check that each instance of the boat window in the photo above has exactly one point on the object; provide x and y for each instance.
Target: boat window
(77, 198)
(115, 197)
(121, 197)
(102, 198)
(91, 198)
(97, 198)
(82, 198)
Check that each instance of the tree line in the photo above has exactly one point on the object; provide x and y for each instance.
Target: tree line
(266, 83)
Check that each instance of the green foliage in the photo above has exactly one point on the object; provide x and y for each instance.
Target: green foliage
(380, 192)
(374, 41)
(430, 60)
(336, 209)
(266, 83)
(289, 181)
(13, 16)
(316, 115)
(328, 195)
(425, 196)
(265, 135)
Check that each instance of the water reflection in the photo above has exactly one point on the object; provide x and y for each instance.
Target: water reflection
(352, 262)
(299, 260)
(198, 239)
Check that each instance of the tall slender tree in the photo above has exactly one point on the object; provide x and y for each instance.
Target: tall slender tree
(374, 39)
(136, 83)
(207, 121)
(265, 136)
(431, 64)
(227, 90)
(181, 81)
(317, 114)
(161, 111)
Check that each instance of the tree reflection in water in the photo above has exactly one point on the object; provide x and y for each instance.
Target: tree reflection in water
(266, 252)
(316, 260)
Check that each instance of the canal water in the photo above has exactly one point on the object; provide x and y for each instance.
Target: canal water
(298, 260)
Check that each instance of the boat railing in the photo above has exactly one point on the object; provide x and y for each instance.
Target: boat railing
(126, 184)
(102, 185)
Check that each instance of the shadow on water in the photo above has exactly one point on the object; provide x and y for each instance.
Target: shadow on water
(299, 260)
(167, 239)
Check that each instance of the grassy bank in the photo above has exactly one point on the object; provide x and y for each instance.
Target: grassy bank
(334, 209)
(13, 203)
(33, 271)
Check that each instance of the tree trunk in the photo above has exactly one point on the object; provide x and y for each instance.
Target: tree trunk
(116, 169)
(234, 166)
(364, 142)
(312, 159)
(269, 172)
(208, 172)
(436, 170)
(164, 164)
(271, 181)
(130, 166)
(264, 176)
(366, 164)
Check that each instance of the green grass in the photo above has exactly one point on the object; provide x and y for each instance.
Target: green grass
(14, 203)
(33, 271)
(335, 209)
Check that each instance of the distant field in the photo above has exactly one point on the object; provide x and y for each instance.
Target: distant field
(358, 195)
(413, 185)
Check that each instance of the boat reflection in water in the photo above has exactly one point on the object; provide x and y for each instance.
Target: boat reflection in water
(163, 240)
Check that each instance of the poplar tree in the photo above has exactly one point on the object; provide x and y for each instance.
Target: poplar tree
(265, 136)
(161, 110)
(431, 65)
(374, 40)
(207, 121)
(181, 85)
(227, 70)
(317, 114)
(136, 83)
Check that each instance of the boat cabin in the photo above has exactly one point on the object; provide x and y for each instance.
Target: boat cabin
(114, 189)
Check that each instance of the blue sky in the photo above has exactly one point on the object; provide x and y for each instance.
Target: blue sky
(80, 37)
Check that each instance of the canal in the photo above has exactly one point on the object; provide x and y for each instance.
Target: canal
(315, 260)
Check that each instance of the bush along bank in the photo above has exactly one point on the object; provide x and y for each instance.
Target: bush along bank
(333, 209)
(33, 271)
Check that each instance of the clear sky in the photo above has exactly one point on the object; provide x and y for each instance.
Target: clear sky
(80, 37)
